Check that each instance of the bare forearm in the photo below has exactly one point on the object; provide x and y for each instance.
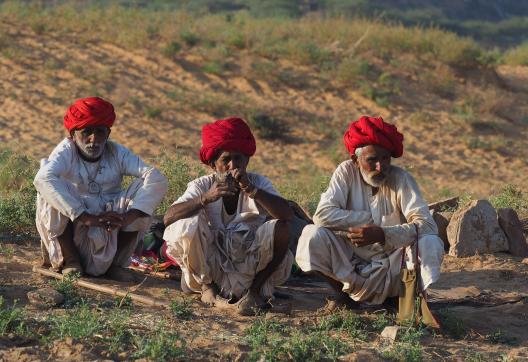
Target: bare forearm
(275, 205)
(182, 210)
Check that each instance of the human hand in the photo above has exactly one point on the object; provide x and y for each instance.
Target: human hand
(217, 191)
(108, 220)
(241, 177)
(132, 215)
(366, 235)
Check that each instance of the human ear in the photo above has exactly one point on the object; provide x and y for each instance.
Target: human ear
(354, 159)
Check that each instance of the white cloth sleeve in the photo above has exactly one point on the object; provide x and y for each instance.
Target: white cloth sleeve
(52, 185)
(416, 212)
(332, 210)
(154, 187)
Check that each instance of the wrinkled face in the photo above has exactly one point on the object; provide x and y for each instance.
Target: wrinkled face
(374, 163)
(230, 160)
(91, 141)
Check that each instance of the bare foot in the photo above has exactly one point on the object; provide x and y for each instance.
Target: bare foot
(250, 304)
(120, 274)
(341, 301)
(209, 293)
(71, 268)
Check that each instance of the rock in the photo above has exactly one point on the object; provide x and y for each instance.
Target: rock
(45, 298)
(512, 227)
(389, 334)
(474, 229)
(525, 261)
(442, 220)
(441, 205)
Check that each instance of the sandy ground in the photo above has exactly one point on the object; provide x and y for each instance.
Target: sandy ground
(162, 103)
(485, 294)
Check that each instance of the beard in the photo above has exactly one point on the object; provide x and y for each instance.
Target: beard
(375, 178)
(91, 150)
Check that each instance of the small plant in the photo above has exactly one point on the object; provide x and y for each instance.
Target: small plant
(345, 321)
(119, 335)
(214, 67)
(161, 345)
(381, 321)
(123, 302)
(66, 286)
(6, 250)
(181, 309)
(80, 322)
(500, 337)
(11, 318)
(152, 112)
(408, 348)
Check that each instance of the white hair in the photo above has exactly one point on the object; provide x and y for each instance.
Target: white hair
(357, 152)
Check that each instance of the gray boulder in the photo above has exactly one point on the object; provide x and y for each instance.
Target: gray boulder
(442, 220)
(512, 227)
(474, 229)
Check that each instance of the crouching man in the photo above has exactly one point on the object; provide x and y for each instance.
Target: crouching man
(367, 217)
(229, 230)
(87, 222)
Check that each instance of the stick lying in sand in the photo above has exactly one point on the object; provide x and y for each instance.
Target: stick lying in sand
(107, 290)
(162, 275)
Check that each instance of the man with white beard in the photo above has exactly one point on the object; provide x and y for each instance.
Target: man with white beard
(87, 222)
(368, 221)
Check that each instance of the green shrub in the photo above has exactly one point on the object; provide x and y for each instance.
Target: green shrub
(17, 194)
(179, 171)
(268, 126)
(172, 49)
(511, 197)
(517, 56)
(190, 38)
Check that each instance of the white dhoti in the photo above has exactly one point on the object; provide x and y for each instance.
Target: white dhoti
(369, 274)
(229, 257)
(97, 247)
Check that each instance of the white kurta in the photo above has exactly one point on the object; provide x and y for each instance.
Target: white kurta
(227, 250)
(370, 273)
(63, 195)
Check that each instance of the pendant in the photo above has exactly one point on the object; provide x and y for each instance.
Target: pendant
(94, 187)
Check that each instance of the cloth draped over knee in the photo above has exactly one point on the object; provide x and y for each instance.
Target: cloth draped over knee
(370, 273)
(228, 250)
(63, 195)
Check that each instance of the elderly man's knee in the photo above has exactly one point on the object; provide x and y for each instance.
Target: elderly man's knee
(184, 228)
(313, 236)
(431, 247)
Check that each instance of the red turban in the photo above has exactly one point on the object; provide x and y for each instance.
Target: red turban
(373, 131)
(89, 112)
(231, 134)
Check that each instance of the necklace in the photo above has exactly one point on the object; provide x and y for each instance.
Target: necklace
(93, 187)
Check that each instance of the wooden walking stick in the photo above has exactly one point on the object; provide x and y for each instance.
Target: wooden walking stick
(104, 289)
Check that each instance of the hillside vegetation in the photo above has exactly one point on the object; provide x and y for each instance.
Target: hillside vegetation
(299, 82)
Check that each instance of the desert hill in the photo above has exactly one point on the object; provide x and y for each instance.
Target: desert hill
(464, 120)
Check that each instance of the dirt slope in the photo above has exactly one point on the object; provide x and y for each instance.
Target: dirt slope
(162, 104)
